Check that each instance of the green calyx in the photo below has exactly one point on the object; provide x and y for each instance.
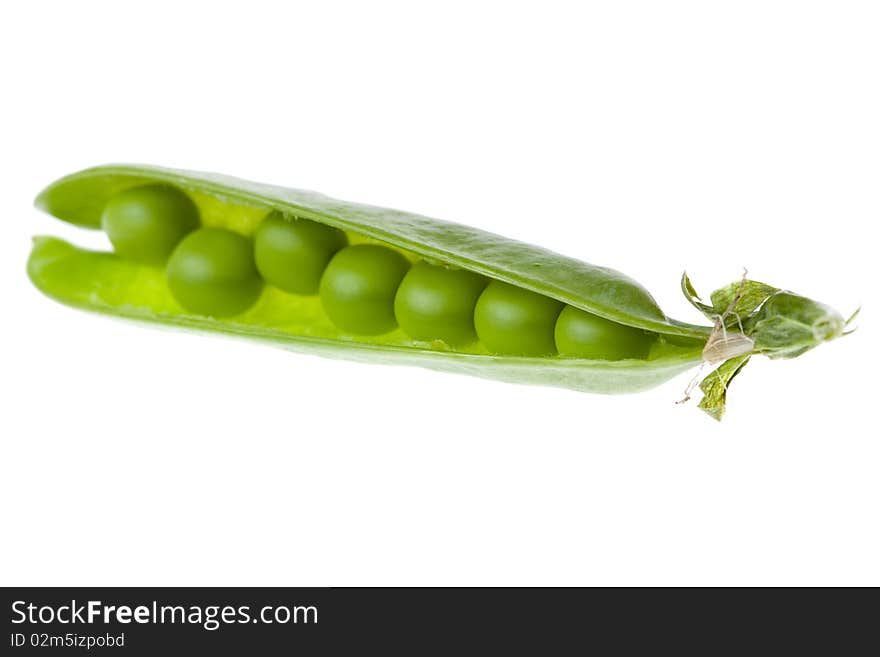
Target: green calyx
(751, 317)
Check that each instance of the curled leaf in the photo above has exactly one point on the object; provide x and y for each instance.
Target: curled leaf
(691, 295)
(715, 385)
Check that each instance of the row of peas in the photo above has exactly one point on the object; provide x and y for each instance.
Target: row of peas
(365, 289)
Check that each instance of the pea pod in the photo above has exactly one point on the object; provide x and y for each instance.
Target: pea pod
(327, 323)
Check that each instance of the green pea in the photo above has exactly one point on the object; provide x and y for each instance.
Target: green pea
(291, 254)
(437, 303)
(145, 223)
(212, 272)
(585, 335)
(514, 321)
(358, 287)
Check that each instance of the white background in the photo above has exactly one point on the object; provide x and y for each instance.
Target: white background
(650, 137)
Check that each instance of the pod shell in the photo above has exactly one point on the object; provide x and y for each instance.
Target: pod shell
(79, 278)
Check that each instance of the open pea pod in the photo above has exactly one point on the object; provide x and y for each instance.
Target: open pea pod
(111, 283)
